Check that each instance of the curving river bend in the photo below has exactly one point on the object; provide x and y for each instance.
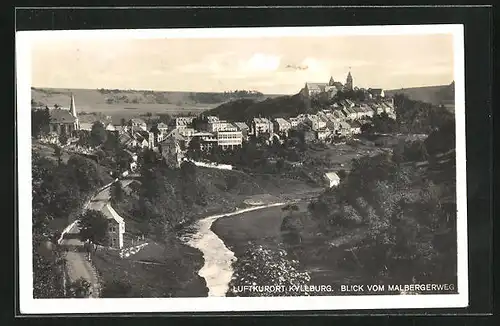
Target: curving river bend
(217, 269)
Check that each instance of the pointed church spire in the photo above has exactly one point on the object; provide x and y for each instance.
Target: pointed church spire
(72, 109)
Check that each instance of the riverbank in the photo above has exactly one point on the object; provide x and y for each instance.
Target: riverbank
(319, 257)
(218, 259)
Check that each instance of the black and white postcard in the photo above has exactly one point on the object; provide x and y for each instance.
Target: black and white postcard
(241, 169)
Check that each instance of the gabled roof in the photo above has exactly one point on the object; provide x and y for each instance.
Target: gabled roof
(110, 213)
(332, 176)
(281, 121)
(261, 120)
(345, 125)
(138, 121)
(174, 134)
(316, 86)
(124, 139)
(355, 124)
(241, 125)
(61, 116)
(162, 125)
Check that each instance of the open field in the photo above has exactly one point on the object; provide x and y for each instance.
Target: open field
(123, 103)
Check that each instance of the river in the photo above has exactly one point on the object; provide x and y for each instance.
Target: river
(217, 269)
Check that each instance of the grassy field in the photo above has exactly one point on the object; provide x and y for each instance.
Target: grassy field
(156, 271)
(91, 100)
(122, 103)
(430, 94)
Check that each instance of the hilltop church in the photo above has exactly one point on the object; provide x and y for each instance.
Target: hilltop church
(332, 87)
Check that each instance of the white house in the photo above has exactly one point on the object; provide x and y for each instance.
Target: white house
(110, 127)
(262, 125)
(331, 179)
(116, 226)
(137, 124)
(281, 125)
(323, 134)
(315, 122)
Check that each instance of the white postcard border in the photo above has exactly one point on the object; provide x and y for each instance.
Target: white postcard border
(29, 305)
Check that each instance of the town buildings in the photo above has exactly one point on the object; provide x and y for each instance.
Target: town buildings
(262, 125)
(243, 127)
(315, 122)
(282, 126)
(137, 124)
(173, 148)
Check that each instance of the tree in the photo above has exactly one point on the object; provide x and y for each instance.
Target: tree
(98, 134)
(194, 148)
(415, 151)
(94, 226)
(79, 289)
(291, 226)
(111, 143)
(265, 266)
(63, 138)
(117, 289)
(85, 173)
(58, 154)
(40, 119)
(117, 193)
(342, 174)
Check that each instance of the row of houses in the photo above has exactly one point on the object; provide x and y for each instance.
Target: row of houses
(341, 119)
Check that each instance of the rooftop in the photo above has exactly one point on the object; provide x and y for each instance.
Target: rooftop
(332, 176)
(110, 213)
(261, 120)
(61, 116)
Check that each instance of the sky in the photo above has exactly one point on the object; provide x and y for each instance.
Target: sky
(272, 65)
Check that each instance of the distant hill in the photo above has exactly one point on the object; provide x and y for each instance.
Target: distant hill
(121, 103)
(245, 109)
(437, 95)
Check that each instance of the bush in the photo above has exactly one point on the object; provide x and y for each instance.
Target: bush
(80, 288)
(263, 266)
(117, 289)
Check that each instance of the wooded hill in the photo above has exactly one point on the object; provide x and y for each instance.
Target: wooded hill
(246, 109)
(436, 95)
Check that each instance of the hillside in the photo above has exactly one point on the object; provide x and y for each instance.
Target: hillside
(437, 95)
(245, 109)
(136, 102)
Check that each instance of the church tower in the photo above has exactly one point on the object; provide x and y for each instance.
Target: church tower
(348, 83)
(72, 109)
(331, 82)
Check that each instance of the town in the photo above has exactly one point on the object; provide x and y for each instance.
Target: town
(337, 121)
(311, 174)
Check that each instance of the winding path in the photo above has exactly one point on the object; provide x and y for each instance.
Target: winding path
(217, 269)
(77, 265)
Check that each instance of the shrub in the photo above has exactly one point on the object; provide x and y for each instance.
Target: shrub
(263, 266)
